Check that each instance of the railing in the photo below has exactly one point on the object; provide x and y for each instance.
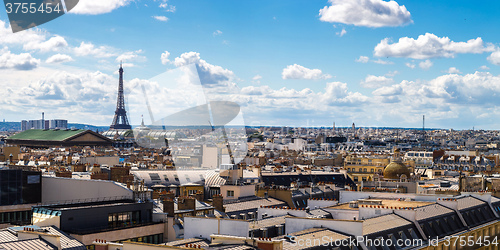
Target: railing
(87, 200)
(107, 229)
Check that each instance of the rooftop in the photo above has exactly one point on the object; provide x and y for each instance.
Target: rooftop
(46, 135)
(386, 203)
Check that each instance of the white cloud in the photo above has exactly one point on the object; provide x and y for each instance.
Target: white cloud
(425, 65)
(380, 61)
(372, 81)
(368, 13)
(341, 33)
(256, 78)
(55, 43)
(494, 58)
(23, 61)
(392, 73)
(81, 97)
(208, 73)
(27, 36)
(453, 70)
(300, 72)
(410, 65)
(130, 56)
(217, 33)
(160, 18)
(89, 49)
(388, 90)
(167, 7)
(164, 57)
(430, 46)
(59, 58)
(484, 67)
(363, 59)
(96, 7)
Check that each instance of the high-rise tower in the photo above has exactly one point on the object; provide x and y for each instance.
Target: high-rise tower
(120, 121)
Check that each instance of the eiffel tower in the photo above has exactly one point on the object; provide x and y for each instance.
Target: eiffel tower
(120, 120)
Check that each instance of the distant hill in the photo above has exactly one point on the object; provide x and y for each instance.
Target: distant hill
(16, 126)
(87, 126)
(10, 126)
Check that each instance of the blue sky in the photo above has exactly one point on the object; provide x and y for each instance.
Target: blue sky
(296, 63)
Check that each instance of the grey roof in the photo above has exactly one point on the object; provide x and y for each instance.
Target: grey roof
(213, 179)
(431, 211)
(10, 240)
(232, 247)
(33, 244)
(169, 177)
(7, 235)
(311, 234)
(252, 204)
(67, 241)
(383, 223)
(268, 222)
(320, 213)
(181, 243)
(200, 205)
(468, 202)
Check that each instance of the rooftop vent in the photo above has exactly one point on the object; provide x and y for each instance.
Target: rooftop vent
(353, 204)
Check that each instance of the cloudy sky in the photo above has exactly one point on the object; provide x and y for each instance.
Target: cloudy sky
(291, 63)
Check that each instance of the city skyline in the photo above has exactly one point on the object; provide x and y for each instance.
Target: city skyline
(294, 63)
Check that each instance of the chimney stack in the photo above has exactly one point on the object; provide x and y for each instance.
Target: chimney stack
(199, 196)
(187, 203)
(218, 202)
(168, 207)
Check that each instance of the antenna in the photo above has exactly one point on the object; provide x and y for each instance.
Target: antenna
(423, 127)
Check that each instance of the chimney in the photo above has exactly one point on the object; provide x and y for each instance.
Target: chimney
(218, 202)
(170, 195)
(168, 207)
(100, 244)
(199, 196)
(187, 203)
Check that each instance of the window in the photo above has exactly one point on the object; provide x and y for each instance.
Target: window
(165, 177)
(230, 193)
(348, 169)
(176, 177)
(355, 178)
(365, 170)
(154, 177)
(120, 219)
(364, 178)
(187, 178)
(372, 170)
(201, 177)
(33, 179)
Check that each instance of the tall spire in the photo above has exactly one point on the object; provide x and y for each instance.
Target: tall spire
(120, 121)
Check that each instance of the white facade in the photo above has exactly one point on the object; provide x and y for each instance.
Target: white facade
(56, 189)
(204, 227)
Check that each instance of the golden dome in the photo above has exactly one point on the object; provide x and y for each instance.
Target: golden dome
(395, 169)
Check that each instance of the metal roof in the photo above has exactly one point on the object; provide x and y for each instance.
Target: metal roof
(431, 211)
(468, 202)
(252, 204)
(32, 244)
(10, 240)
(383, 223)
(46, 135)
